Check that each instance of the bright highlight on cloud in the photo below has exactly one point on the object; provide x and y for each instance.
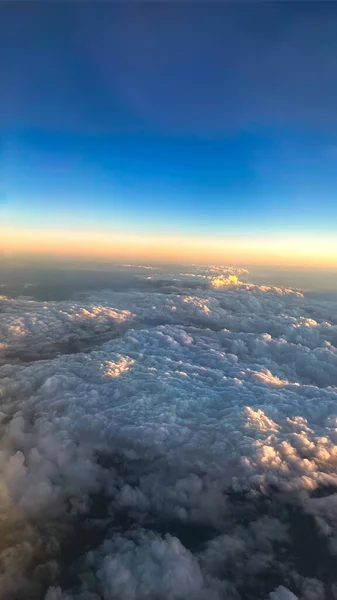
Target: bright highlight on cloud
(169, 443)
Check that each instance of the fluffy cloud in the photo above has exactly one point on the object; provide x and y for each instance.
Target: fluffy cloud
(281, 593)
(33, 330)
(169, 443)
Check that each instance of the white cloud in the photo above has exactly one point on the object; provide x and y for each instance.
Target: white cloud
(194, 407)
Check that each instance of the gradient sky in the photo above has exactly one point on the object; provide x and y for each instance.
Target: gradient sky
(212, 121)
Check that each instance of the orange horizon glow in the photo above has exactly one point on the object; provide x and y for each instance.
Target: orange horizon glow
(278, 250)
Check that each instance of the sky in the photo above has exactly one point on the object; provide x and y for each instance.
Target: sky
(166, 130)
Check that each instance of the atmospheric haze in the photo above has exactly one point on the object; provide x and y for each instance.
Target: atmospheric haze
(171, 436)
(279, 249)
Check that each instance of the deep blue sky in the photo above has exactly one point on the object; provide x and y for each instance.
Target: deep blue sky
(181, 116)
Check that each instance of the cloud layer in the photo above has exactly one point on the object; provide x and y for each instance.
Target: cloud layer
(176, 440)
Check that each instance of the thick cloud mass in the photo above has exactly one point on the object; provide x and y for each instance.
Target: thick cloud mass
(170, 443)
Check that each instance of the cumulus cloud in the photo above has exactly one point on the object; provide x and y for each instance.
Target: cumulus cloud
(33, 330)
(164, 444)
(281, 593)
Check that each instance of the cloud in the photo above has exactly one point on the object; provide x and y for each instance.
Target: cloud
(282, 594)
(34, 330)
(145, 565)
(225, 281)
(181, 447)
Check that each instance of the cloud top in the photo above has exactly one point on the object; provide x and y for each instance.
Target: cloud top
(169, 441)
